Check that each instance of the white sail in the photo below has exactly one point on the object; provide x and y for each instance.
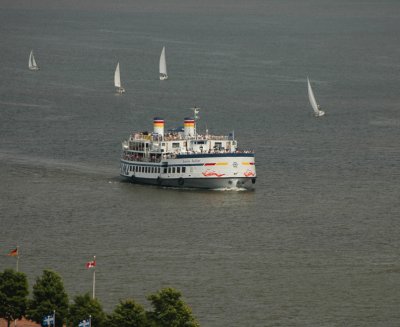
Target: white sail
(117, 80)
(32, 62)
(163, 65)
(117, 77)
(313, 102)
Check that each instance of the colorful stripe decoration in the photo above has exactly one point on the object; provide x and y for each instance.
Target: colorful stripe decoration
(188, 122)
(158, 122)
(216, 164)
(248, 163)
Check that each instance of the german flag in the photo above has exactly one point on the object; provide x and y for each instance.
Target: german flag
(13, 253)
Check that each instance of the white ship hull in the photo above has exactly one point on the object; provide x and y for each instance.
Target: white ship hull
(208, 171)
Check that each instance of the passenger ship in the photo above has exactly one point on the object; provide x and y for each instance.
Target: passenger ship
(184, 158)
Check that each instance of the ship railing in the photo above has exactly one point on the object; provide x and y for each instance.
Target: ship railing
(211, 152)
(181, 137)
(175, 137)
(141, 159)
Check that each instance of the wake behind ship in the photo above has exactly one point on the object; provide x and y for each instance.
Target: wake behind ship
(184, 158)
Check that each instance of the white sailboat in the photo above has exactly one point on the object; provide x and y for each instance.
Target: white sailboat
(317, 111)
(32, 62)
(117, 80)
(163, 66)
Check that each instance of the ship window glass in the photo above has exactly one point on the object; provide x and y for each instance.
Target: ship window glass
(175, 145)
(173, 170)
(218, 145)
(136, 168)
(169, 170)
(183, 169)
(147, 169)
(141, 169)
(178, 169)
(165, 170)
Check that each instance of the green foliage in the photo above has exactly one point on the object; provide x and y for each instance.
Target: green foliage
(128, 314)
(48, 295)
(83, 307)
(169, 310)
(13, 294)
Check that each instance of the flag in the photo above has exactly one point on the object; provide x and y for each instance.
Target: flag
(13, 253)
(84, 323)
(48, 320)
(90, 264)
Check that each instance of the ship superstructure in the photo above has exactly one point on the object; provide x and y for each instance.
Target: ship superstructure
(185, 158)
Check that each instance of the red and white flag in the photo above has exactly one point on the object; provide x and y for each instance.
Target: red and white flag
(13, 253)
(90, 264)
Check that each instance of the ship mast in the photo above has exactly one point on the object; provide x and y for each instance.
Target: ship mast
(195, 116)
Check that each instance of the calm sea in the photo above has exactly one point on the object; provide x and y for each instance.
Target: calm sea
(317, 242)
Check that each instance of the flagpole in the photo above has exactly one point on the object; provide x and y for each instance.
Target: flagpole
(16, 269)
(94, 276)
(90, 320)
(17, 258)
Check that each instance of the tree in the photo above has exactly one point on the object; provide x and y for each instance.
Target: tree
(48, 295)
(83, 307)
(170, 310)
(128, 314)
(13, 295)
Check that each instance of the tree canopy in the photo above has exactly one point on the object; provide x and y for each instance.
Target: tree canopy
(128, 313)
(83, 307)
(169, 310)
(13, 295)
(48, 295)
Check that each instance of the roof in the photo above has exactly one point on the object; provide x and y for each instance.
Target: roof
(20, 323)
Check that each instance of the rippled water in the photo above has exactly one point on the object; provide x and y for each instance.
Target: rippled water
(316, 244)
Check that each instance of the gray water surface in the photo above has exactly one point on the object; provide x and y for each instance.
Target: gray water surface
(316, 244)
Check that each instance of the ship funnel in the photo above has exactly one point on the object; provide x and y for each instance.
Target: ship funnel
(158, 124)
(188, 127)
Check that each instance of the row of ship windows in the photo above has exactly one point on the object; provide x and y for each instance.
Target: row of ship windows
(169, 170)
